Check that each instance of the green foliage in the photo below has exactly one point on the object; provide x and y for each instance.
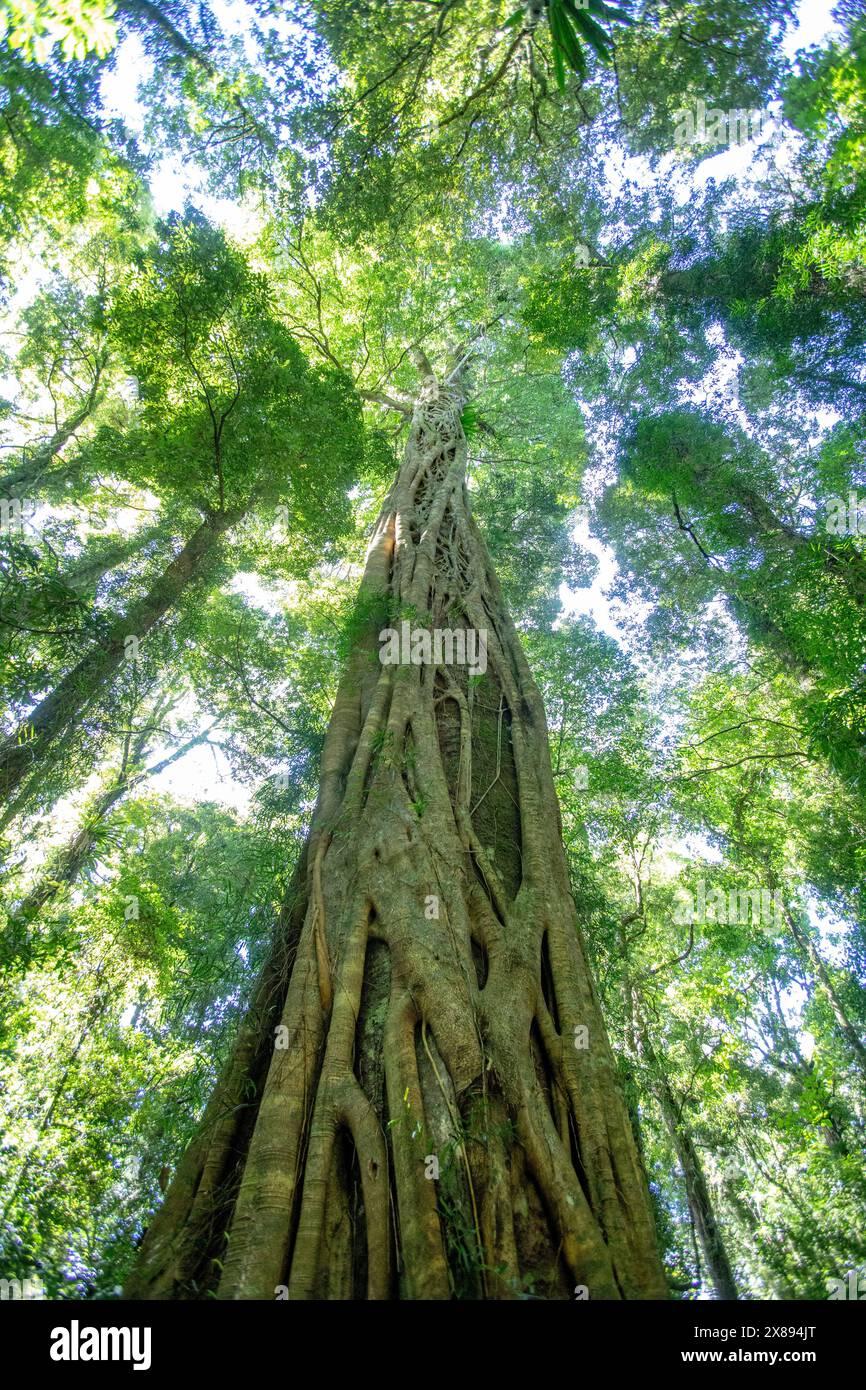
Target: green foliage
(571, 27)
(78, 26)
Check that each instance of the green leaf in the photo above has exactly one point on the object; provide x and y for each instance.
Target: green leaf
(606, 11)
(558, 66)
(564, 41)
(591, 31)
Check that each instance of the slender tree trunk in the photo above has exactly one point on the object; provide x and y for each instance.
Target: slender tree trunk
(37, 461)
(97, 1008)
(430, 1123)
(704, 1219)
(812, 958)
(33, 739)
(84, 574)
(843, 562)
(67, 862)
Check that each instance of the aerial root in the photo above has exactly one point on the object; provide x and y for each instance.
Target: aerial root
(322, 961)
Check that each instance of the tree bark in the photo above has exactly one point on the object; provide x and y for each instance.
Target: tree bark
(812, 958)
(35, 736)
(433, 1018)
(68, 860)
(36, 465)
(84, 574)
(704, 1219)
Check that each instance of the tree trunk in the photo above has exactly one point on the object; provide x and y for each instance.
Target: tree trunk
(84, 574)
(35, 736)
(811, 956)
(703, 1214)
(68, 860)
(36, 463)
(433, 1018)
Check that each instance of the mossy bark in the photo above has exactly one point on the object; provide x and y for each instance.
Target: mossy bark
(430, 986)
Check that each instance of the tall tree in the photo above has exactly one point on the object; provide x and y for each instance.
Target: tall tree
(440, 1028)
(222, 383)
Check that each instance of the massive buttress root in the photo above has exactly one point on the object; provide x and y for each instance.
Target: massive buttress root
(442, 1116)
